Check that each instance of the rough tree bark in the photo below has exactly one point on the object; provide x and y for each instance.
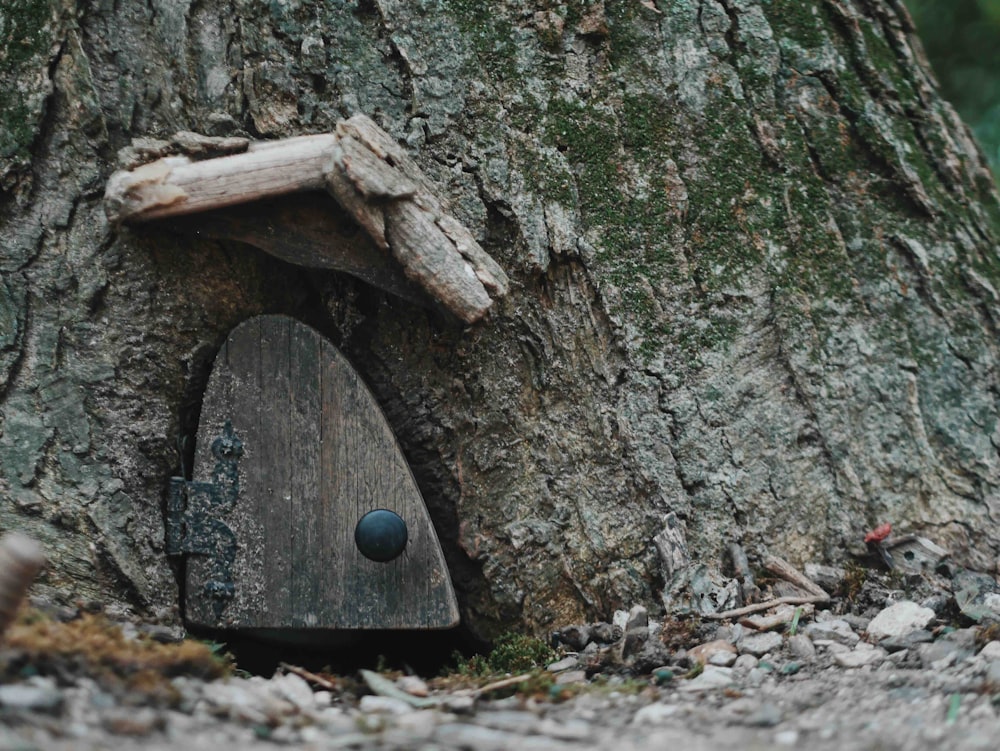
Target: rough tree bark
(754, 283)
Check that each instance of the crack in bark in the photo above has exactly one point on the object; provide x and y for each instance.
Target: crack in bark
(25, 325)
(398, 57)
(783, 359)
(900, 172)
(918, 266)
(732, 33)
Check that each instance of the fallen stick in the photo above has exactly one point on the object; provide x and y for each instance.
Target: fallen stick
(758, 606)
(309, 676)
(502, 683)
(782, 568)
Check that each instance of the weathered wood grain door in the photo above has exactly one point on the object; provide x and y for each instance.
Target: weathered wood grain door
(293, 454)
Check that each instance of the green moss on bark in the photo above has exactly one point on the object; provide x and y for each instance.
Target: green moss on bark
(26, 28)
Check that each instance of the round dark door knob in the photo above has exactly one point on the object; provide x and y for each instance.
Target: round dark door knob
(380, 535)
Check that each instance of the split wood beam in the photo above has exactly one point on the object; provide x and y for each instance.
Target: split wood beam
(365, 171)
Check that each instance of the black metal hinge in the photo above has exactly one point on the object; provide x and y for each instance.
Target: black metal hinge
(194, 524)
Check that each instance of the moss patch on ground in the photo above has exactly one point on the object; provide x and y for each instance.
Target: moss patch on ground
(94, 647)
(512, 653)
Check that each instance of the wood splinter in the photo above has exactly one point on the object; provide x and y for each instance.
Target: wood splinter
(21, 558)
(367, 173)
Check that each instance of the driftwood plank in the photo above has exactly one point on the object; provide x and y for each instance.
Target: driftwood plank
(367, 173)
(177, 185)
(274, 494)
(304, 411)
(317, 455)
(293, 227)
(373, 178)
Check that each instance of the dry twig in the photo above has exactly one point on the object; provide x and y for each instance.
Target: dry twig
(759, 606)
(502, 683)
(310, 676)
(788, 572)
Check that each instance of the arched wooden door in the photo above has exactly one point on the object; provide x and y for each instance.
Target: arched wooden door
(293, 455)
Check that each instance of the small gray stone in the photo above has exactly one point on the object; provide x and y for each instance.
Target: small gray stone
(134, 722)
(566, 663)
(899, 619)
(635, 639)
(285, 734)
(336, 720)
(372, 704)
(605, 633)
(940, 653)
(415, 725)
(293, 689)
(575, 637)
(460, 704)
(857, 622)
(37, 696)
(938, 602)
(963, 638)
(828, 577)
(863, 654)
(802, 648)
(731, 634)
(833, 647)
(906, 641)
(620, 619)
(992, 676)
(711, 677)
(902, 658)
(990, 651)
(570, 730)
(766, 716)
(652, 654)
(487, 739)
(977, 595)
(836, 630)
(655, 714)
(571, 676)
(787, 738)
(638, 617)
(510, 721)
(756, 676)
(760, 644)
(722, 659)
(703, 653)
(745, 663)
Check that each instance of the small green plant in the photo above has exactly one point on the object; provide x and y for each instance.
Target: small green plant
(516, 653)
(954, 705)
(512, 653)
(793, 628)
(855, 576)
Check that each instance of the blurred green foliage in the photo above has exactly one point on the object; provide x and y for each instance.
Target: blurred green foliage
(962, 40)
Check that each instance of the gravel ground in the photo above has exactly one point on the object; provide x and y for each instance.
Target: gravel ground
(935, 694)
(887, 667)
(886, 707)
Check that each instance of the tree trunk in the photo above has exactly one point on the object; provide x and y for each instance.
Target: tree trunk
(754, 274)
